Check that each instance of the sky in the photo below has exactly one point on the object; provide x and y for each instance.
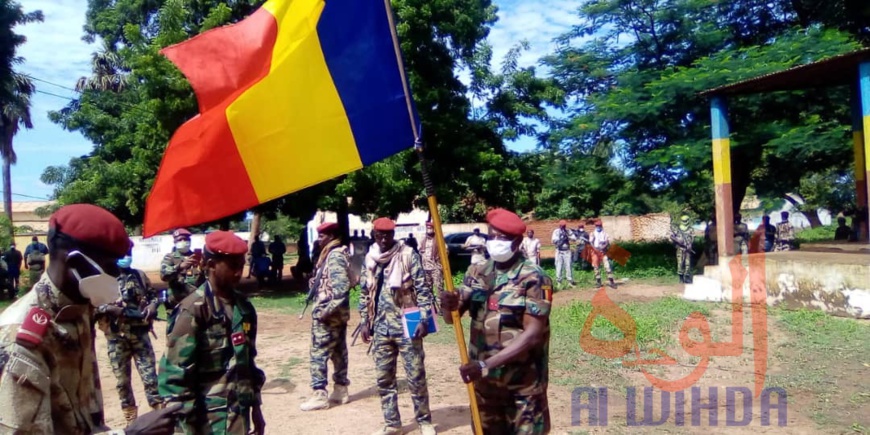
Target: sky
(55, 57)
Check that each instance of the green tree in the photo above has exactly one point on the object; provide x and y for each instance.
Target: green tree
(633, 72)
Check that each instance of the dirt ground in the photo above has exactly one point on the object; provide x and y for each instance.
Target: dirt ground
(283, 345)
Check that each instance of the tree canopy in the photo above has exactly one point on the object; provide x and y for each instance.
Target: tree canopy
(615, 108)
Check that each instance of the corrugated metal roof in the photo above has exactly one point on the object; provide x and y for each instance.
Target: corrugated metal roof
(833, 71)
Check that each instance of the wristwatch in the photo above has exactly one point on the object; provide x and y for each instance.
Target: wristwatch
(483, 369)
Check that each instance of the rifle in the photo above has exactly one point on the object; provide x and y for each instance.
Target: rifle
(356, 333)
(312, 290)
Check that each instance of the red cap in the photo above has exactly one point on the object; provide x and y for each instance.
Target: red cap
(563, 222)
(328, 227)
(597, 222)
(93, 226)
(384, 224)
(181, 232)
(506, 222)
(225, 243)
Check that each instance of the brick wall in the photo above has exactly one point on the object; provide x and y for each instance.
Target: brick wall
(624, 228)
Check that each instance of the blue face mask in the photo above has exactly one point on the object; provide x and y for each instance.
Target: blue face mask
(124, 263)
(598, 229)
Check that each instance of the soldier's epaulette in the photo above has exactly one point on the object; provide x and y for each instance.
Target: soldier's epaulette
(33, 329)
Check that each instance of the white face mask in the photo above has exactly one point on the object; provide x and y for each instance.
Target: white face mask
(500, 250)
(183, 246)
(101, 288)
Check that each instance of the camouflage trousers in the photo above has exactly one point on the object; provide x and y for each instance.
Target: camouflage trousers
(435, 281)
(386, 351)
(599, 258)
(504, 412)
(328, 342)
(133, 343)
(782, 246)
(684, 262)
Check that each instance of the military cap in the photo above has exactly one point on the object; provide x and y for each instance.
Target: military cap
(181, 232)
(92, 226)
(563, 222)
(328, 227)
(506, 221)
(384, 224)
(225, 243)
(598, 223)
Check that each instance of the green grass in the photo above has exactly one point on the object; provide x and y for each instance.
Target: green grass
(821, 351)
(295, 302)
(813, 235)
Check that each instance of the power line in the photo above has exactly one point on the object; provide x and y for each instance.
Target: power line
(51, 83)
(27, 196)
(55, 95)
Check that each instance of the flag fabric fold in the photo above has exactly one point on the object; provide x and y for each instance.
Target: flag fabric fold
(297, 93)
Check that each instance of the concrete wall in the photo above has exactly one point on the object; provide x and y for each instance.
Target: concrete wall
(837, 283)
(148, 253)
(624, 228)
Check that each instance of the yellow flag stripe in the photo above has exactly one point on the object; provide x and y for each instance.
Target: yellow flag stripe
(722, 161)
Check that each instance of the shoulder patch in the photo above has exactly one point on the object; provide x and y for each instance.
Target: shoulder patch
(33, 329)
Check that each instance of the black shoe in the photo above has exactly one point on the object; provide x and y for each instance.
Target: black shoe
(598, 282)
(612, 283)
(688, 279)
(682, 280)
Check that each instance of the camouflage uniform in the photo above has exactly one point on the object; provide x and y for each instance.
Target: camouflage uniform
(432, 265)
(181, 284)
(683, 239)
(53, 388)
(329, 321)
(127, 338)
(388, 338)
(741, 238)
(209, 366)
(511, 398)
(784, 237)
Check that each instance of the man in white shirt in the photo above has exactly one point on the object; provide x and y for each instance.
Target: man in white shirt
(562, 241)
(600, 242)
(476, 244)
(531, 246)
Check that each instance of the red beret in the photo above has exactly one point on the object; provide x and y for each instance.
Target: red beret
(93, 226)
(384, 224)
(181, 232)
(597, 222)
(506, 222)
(328, 227)
(225, 243)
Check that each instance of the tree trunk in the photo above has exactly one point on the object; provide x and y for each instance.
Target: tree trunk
(813, 217)
(7, 194)
(343, 216)
(255, 229)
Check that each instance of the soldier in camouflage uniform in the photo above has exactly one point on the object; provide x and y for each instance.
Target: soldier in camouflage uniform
(208, 366)
(682, 238)
(508, 299)
(432, 261)
(393, 280)
(49, 381)
(784, 234)
(126, 324)
(329, 319)
(181, 270)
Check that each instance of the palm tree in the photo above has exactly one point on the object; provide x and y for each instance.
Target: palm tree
(107, 72)
(14, 113)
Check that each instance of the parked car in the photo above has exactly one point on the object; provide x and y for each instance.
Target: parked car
(454, 248)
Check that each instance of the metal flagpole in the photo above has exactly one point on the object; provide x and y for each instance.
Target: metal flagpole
(436, 222)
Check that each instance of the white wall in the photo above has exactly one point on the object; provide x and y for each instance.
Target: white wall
(149, 253)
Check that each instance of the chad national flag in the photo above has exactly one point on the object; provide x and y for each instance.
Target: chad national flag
(298, 93)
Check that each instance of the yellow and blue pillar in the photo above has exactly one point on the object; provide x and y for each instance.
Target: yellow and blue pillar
(722, 176)
(862, 148)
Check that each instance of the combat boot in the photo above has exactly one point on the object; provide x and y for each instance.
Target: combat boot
(598, 282)
(131, 413)
(339, 395)
(388, 430)
(682, 280)
(317, 401)
(688, 279)
(427, 429)
(612, 283)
